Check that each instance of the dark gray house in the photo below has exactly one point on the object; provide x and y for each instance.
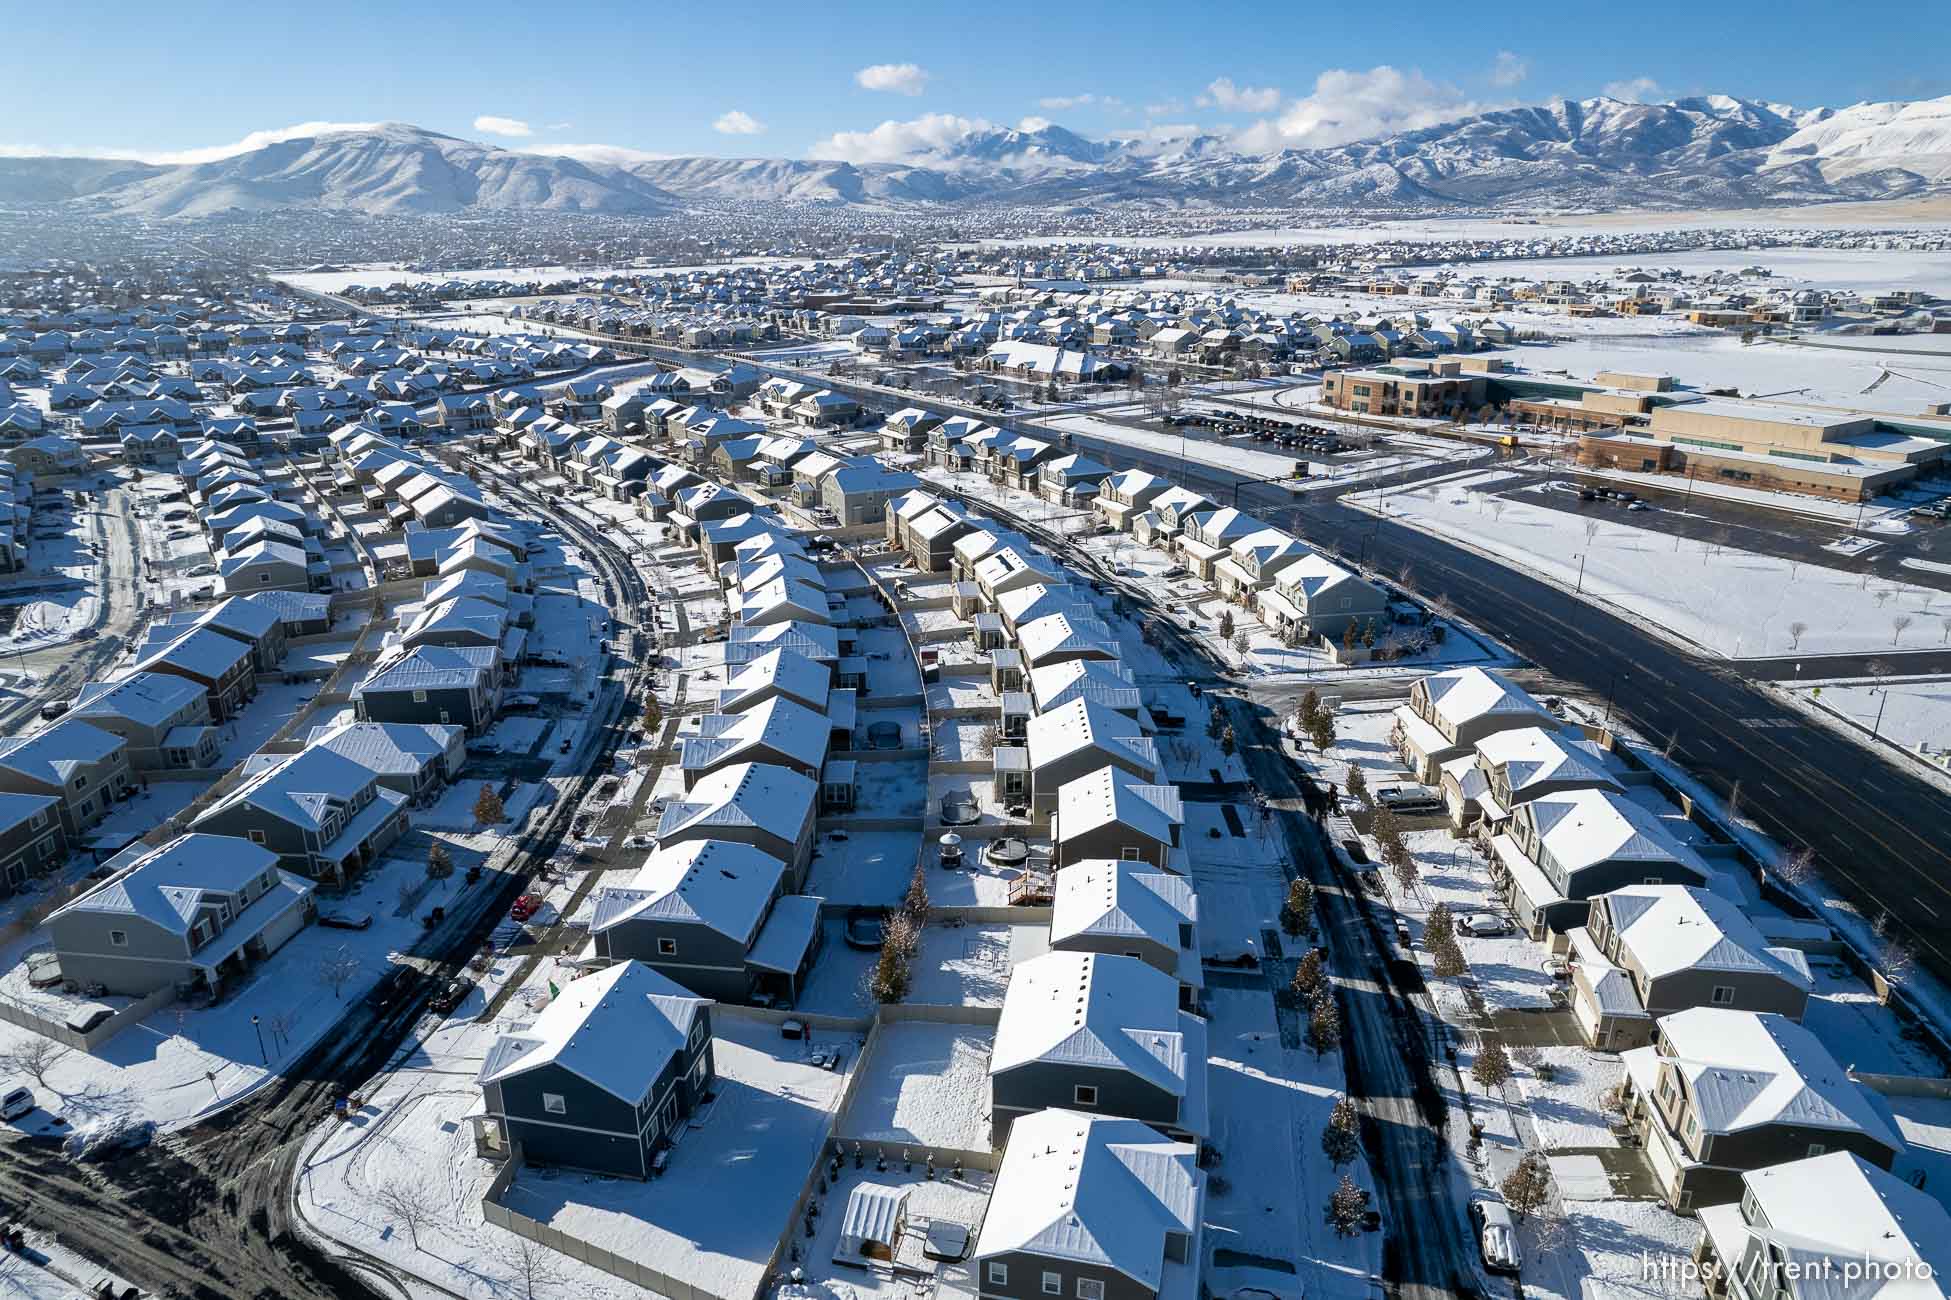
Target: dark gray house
(431, 683)
(324, 815)
(601, 1078)
(1092, 1207)
(87, 769)
(31, 839)
(770, 808)
(712, 915)
(1100, 1034)
(1113, 814)
(417, 759)
(165, 719)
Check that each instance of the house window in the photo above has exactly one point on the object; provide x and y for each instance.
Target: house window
(1089, 1288)
(1723, 995)
(257, 836)
(998, 1273)
(1817, 1148)
(667, 947)
(553, 1103)
(1053, 1283)
(419, 697)
(1084, 1094)
(118, 938)
(1129, 853)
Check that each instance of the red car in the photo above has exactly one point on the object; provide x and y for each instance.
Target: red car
(525, 906)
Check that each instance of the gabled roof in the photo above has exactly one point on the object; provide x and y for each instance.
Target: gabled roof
(616, 1030)
(787, 672)
(781, 725)
(167, 885)
(720, 884)
(146, 699)
(387, 748)
(1670, 928)
(1083, 724)
(1110, 684)
(1093, 1190)
(427, 667)
(1060, 633)
(1112, 794)
(773, 799)
(1580, 828)
(1747, 1069)
(1106, 898)
(1462, 694)
(53, 754)
(304, 789)
(1531, 755)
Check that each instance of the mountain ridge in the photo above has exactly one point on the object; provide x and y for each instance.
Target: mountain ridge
(1710, 150)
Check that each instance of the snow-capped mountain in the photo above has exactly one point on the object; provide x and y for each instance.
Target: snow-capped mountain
(1599, 153)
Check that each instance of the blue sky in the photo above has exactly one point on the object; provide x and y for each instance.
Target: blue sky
(869, 81)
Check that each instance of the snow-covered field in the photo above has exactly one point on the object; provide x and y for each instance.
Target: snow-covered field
(1733, 603)
(1909, 713)
(926, 1085)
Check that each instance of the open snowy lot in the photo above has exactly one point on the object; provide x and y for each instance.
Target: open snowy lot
(1730, 602)
(926, 1086)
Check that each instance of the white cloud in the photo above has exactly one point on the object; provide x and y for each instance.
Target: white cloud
(1507, 69)
(511, 126)
(1346, 106)
(1164, 108)
(738, 123)
(1223, 94)
(609, 154)
(173, 157)
(896, 78)
(1062, 102)
(1634, 90)
(897, 141)
(1033, 124)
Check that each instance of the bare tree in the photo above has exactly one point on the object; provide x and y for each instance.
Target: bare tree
(1242, 644)
(336, 969)
(33, 1056)
(1734, 801)
(1492, 1068)
(1796, 631)
(534, 1268)
(1798, 866)
(1897, 626)
(1591, 531)
(1946, 622)
(1528, 1187)
(1882, 596)
(406, 1202)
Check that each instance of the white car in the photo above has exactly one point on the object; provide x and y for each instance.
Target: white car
(1496, 1235)
(17, 1102)
(1484, 924)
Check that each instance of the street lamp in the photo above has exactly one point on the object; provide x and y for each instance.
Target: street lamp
(1611, 687)
(1883, 694)
(260, 1041)
(1579, 590)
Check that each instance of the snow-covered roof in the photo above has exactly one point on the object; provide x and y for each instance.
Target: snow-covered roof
(719, 884)
(167, 885)
(388, 748)
(768, 798)
(1746, 1069)
(305, 789)
(1096, 1190)
(1053, 634)
(1083, 724)
(419, 668)
(1104, 1012)
(1810, 1215)
(1533, 755)
(1670, 928)
(616, 1029)
(782, 725)
(1112, 794)
(785, 672)
(53, 754)
(1109, 899)
(1108, 683)
(146, 699)
(1462, 694)
(202, 651)
(1582, 828)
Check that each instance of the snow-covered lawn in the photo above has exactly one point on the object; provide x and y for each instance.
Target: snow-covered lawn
(715, 1215)
(1730, 602)
(864, 867)
(1910, 713)
(926, 1085)
(180, 1063)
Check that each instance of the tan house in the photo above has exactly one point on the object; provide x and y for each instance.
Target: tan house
(1449, 712)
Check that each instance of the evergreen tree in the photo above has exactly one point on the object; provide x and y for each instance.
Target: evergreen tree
(1439, 927)
(1324, 1022)
(440, 864)
(1342, 1138)
(1308, 975)
(1347, 1208)
(1492, 1068)
(1297, 914)
(487, 806)
(1449, 960)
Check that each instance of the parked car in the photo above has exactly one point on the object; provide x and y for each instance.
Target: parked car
(345, 920)
(1490, 1218)
(17, 1102)
(1409, 799)
(450, 996)
(525, 906)
(1485, 924)
(55, 708)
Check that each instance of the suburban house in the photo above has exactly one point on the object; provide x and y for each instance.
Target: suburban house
(1449, 712)
(1130, 910)
(1648, 951)
(712, 915)
(84, 767)
(778, 674)
(324, 815)
(780, 731)
(1208, 538)
(192, 915)
(1113, 814)
(164, 719)
(1322, 599)
(440, 684)
(1094, 1207)
(31, 839)
(1721, 1092)
(1559, 851)
(1076, 739)
(256, 623)
(1125, 495)
(1796, 1224)
(220, 664)
(601, 1078)
(770, 808)
(1101, 1034)
(1098, 680)
(1254, 562)
(1516, 766)
(415, 759)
